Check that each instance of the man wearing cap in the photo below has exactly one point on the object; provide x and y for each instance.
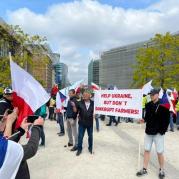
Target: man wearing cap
(6, 101)
(157, 119)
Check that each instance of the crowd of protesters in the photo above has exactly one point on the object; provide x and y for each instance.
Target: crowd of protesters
(79, 116)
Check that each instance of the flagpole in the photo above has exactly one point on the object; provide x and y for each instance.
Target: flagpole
(10, 57)
(139, 148)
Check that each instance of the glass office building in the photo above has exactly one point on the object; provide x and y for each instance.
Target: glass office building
(93, 72)
(116, 66)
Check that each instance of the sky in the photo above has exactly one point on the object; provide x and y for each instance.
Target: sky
(81, 30)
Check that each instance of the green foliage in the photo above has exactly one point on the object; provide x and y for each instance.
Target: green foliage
(159, 61)
(4, 72)
(17, 42)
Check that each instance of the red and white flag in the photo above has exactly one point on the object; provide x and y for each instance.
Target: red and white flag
(172, 96)
(28, 94)
(94, 86)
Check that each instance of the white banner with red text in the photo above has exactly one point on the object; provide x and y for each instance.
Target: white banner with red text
(123, 103)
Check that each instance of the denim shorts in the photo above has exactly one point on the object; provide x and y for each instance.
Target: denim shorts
(157, 139)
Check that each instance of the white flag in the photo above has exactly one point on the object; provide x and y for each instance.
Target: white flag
(147, 88)
(27, 88)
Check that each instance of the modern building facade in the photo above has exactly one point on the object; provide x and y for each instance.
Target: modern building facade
(90, 72)
(62, 69)
(93, 72)
(56, 67)
(41, 67)
(116, 67)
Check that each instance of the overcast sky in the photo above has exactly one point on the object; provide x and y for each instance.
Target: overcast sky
(81, 30)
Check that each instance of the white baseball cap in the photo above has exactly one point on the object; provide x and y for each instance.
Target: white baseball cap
(8, 91)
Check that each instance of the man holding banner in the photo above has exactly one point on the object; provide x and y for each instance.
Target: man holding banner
(157, 120)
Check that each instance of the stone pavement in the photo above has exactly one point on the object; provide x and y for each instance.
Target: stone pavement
(115, 155)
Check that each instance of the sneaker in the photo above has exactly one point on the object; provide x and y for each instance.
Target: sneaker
(90, 151)
(172, 130)
(161, 174)
(74, 149)
(69, 145)
(42, 145)
(78, 152)
(61, 134)
(142, 172)
(108, 124)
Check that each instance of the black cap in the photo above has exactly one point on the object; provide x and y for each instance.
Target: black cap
(154, 91)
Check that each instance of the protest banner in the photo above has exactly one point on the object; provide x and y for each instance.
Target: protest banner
(123, 103)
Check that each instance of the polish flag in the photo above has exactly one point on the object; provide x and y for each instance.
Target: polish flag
(28, 94)
(94, 86)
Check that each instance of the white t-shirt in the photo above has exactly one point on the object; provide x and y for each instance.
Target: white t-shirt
(87, 104)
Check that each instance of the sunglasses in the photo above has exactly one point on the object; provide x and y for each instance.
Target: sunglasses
(8, 94)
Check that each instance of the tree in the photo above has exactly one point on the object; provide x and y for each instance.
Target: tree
(159, 61)
(17, 42)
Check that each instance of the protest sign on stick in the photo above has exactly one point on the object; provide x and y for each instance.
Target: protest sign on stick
(123, 103)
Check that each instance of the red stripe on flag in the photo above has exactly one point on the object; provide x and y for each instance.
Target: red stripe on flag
(24, 109)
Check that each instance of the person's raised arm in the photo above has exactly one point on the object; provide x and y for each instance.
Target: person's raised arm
(10, 120)
(30, 149)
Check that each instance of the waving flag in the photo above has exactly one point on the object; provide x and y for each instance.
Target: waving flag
(62, 97)
(161, 93)
(59, 102)
(11, 155)
(94, 86)
(165, 102)
(76, 85)
(147, 88)
(28, 95)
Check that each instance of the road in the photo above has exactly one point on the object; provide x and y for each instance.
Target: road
(115, 155)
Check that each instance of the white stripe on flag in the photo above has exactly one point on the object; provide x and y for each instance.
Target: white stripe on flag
(27, 87)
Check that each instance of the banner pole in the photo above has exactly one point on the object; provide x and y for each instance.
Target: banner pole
(139, 149)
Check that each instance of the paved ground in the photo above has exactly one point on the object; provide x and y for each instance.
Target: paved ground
(115, 155)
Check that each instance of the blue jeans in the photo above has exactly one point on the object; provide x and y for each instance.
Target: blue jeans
(177, 119)
(171, 121)
(60, 122)
(97, 124)
(81, 133)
